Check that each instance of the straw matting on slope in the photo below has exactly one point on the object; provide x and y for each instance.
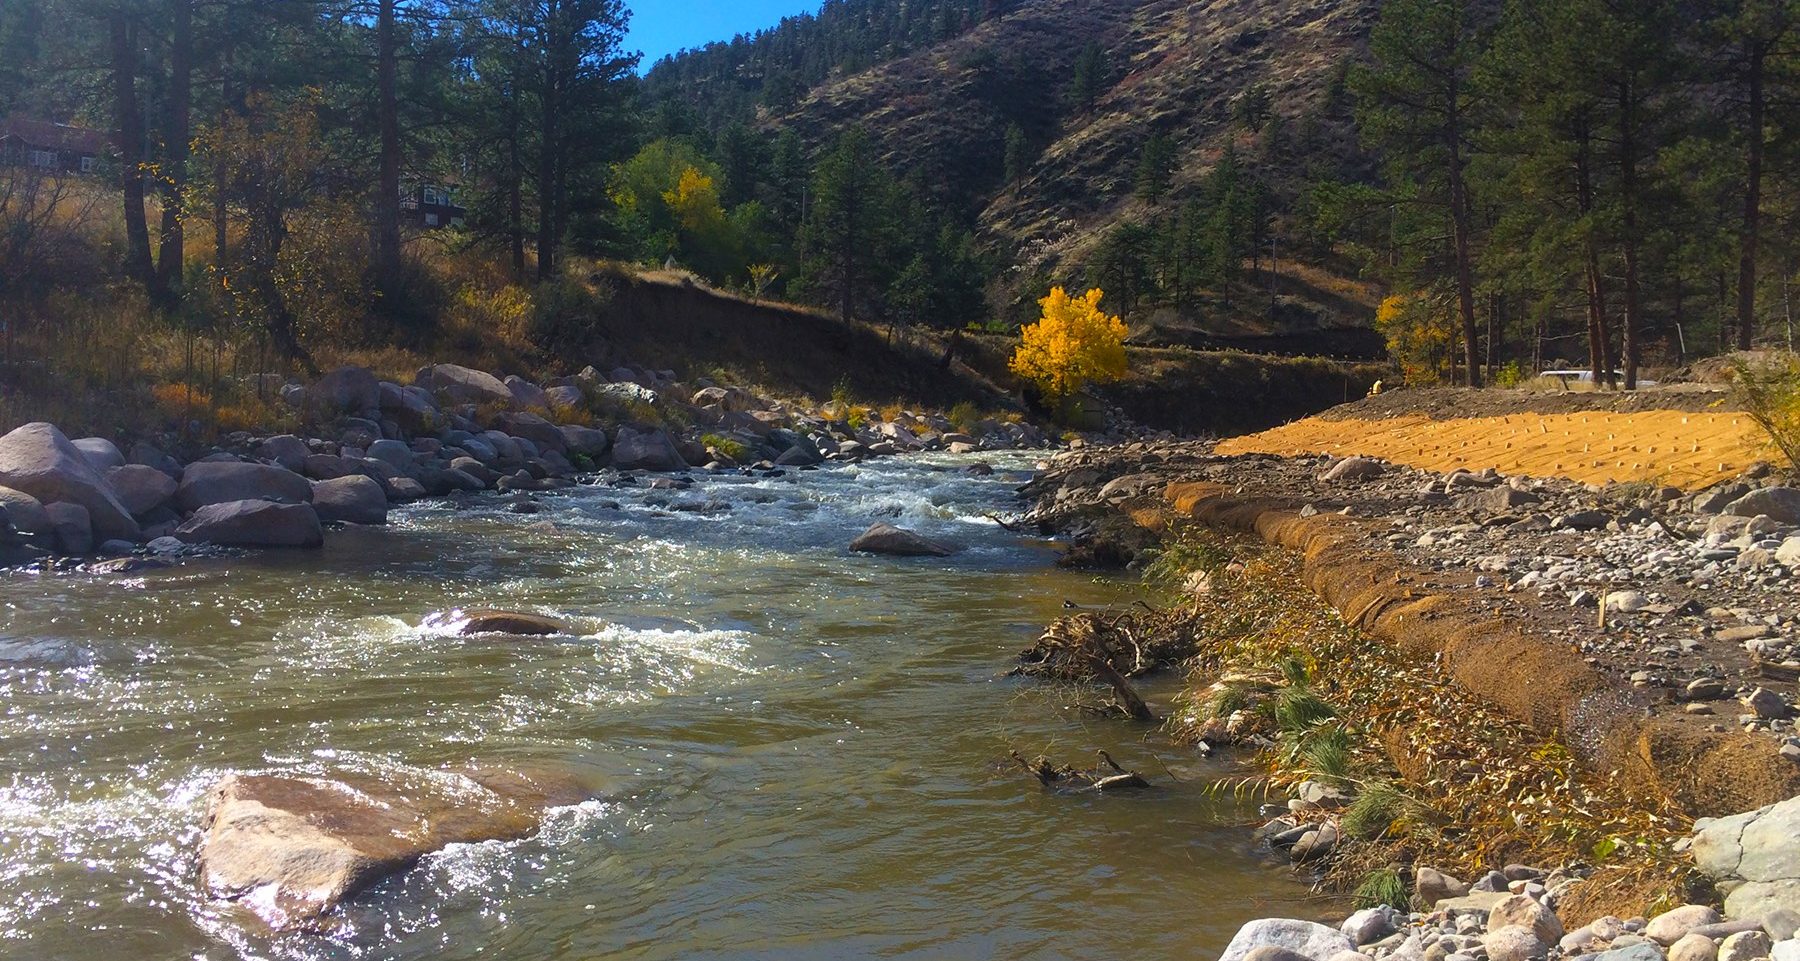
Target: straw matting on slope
(1540, 680)
(1682, 449)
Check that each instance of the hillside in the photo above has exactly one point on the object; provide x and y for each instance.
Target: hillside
(1175, 69)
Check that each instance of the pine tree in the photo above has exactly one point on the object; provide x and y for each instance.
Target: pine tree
(1415, 102)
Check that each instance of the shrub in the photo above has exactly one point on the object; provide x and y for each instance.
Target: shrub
(1419, 334)
(964, 416)
(567, 314)
(1770, 393)
(726, 446)
(1510, 374)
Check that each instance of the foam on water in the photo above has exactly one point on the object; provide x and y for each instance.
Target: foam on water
(798, 741)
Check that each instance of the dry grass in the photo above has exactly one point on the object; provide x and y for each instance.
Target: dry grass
(1479, 789)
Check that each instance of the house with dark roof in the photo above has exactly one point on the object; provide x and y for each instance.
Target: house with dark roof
(431, 206)
(46, 145)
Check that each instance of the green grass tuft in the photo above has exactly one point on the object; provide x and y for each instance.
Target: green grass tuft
(1374, 812)
(1380, 887)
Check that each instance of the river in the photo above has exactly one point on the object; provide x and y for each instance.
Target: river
(798, 750)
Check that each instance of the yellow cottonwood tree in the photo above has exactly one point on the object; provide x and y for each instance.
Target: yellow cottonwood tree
(1074, 344)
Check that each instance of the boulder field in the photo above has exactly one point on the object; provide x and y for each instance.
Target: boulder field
(371, 444)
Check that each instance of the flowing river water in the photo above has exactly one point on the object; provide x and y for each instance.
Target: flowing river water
(799, 751)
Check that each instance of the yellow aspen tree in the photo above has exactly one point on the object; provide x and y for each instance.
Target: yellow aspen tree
(1073, 344)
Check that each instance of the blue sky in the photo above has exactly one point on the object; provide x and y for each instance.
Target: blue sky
(661, 27)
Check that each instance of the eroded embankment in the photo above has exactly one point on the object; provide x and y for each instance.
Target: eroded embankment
(1531, 658)
(1540, 681)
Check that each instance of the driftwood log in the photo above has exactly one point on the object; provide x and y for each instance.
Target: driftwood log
(1065, 778)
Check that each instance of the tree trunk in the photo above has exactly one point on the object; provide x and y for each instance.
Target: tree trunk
(549, 201)
(387, 190)
(1459, 235)
(1599, 337)
(171, 258)
(130, 120)
(515, 184)
(1746, 299)
(1628, 176)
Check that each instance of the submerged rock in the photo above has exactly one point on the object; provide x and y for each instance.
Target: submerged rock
(481, 620)
(291, 848)
(885, 538)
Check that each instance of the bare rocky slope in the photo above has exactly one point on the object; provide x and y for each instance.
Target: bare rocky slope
(1173, 68)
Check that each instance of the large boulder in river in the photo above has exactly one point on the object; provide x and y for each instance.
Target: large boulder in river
(220, 482)
(151, 456)
(535, 429)
(253, 523)
(456, 384)
(482, 620)
(70, 528)
(347, 390)
(38, 460)
(284, 449)
(140, 487)
(291, 848)
(411, 408)
(100, 452)
(26, 512)
(586, 441)
(353, 499)
(885, 538)
(646, 450)
(525, 393)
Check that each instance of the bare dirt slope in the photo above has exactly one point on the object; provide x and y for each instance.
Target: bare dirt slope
(1682, 440)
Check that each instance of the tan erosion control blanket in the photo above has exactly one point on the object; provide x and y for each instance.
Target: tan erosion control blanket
(1678, 448)
(1536, 679)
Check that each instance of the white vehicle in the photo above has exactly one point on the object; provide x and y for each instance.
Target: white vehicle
(1585, 376)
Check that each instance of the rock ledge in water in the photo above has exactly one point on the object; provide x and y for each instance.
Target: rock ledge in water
(291, 848)
(885, 538)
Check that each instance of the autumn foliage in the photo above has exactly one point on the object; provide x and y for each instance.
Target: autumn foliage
(1074, 344)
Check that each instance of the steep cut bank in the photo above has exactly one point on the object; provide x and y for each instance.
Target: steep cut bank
(666, 320)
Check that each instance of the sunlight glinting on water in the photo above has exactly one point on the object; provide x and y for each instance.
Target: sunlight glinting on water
(796, 751)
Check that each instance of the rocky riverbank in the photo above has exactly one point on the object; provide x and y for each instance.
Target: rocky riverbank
(363, 445)
(1679, 604)
(1687, 598)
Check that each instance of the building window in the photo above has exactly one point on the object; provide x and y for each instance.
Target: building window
(431, 220)
(42, 158)
(437, 197)
(87, 165)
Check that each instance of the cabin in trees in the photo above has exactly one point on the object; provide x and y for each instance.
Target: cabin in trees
(431, 207)
(48, 146)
